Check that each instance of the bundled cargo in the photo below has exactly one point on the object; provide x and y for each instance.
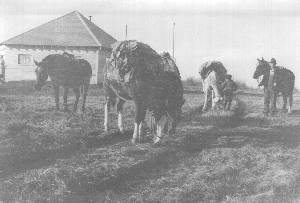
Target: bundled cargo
(209, 66)
(128, 55)
(169, 63)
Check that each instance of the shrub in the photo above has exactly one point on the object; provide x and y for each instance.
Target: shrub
(191, 81)
(242, 85)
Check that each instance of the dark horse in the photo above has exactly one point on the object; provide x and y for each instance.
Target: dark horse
(67, 72)
(285, 81)
(159, 94)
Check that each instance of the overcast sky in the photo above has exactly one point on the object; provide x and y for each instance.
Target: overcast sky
(234, 32)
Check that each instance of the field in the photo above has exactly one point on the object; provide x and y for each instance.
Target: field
(216, 156)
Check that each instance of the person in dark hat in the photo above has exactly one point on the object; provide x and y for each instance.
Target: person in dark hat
(228, 88)
(2, 69)
(270, 95)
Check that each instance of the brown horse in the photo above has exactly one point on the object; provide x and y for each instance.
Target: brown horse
(135, 72)
(285, 83)
(66, 72)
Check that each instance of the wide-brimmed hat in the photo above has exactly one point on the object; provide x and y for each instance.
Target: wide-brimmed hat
(273, 61)
(228, 76)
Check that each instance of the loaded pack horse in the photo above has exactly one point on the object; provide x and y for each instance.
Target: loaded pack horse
(66, 71)
(284, 84)
(135, 72)
(212, 74)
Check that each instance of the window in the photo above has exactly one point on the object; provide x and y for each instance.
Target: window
(24, 59)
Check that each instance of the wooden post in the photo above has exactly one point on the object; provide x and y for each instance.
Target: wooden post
(173, 38)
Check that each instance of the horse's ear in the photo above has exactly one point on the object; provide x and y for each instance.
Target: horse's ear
(258, 59)
(262, 58)
(36, 63)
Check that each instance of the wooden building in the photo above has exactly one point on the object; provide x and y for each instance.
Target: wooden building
(72, 33)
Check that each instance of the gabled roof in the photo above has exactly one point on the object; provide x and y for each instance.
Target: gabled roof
(72, 29)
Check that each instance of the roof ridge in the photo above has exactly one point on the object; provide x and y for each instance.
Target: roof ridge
(87, 27)
(38, 27)
(98, 27)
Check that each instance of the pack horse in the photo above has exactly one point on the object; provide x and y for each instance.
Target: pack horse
(285, 80)
(212, 74)
(136, 72)
(66, 71)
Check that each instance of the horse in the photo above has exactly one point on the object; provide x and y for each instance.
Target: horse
(212, 76)
(65, 72)
(285, 83)
(154, 92)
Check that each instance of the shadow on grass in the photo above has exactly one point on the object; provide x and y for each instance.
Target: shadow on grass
(295, 113)
(287, 137)
(16, 164)
(250, 94)
(127, 178)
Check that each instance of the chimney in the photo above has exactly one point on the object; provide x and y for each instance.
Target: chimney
(90, 18)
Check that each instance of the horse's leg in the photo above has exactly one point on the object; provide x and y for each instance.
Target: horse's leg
(66, 90)
(284, 97)
(266, 100)
(205, 100)
(106, 109)
(77, 93)
(120, 114)
(85, 91)
(290, 102)
(141, 130)
(141, 119)
(56, 96)
(138, 119)
(110, 101)
(213, 101)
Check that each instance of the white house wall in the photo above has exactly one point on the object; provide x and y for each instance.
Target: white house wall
(17, 72)
(102, 55)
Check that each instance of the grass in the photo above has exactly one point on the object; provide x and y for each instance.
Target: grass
(215, 156)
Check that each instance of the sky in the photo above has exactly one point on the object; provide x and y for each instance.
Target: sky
(231, 31)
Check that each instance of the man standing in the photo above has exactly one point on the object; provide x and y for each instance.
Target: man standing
(228, 88)
(2, 69)
(270, 95)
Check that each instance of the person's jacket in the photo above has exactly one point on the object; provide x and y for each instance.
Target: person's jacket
(228, 87)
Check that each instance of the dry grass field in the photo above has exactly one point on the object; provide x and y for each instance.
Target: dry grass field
(215, 156)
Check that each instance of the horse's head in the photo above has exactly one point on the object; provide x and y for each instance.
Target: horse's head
(41, 75)
(174, 113)
(262, 68)
(174, 100)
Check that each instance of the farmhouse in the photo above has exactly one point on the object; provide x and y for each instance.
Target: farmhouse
(72, 33)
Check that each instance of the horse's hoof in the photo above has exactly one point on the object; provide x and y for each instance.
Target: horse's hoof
(156, 144)
(140, 140)
(133, 141)
(157, 140)
(122, 131)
